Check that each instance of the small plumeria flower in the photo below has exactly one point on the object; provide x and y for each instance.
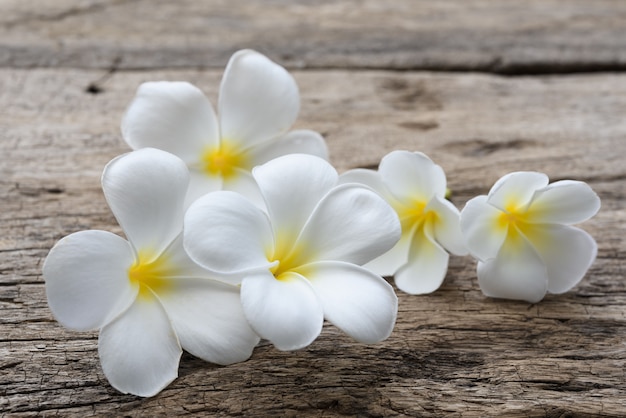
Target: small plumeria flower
(258, 103)
(145, 295)
(300, 261)
(520, 234)
(415, 187)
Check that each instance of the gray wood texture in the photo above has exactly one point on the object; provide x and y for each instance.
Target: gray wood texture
(452, 353)
(530, 36)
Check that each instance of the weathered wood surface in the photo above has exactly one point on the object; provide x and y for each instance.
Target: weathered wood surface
(530, 36)
(452, 353)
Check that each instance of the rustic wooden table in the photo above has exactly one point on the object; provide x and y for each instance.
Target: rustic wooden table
(483, 87)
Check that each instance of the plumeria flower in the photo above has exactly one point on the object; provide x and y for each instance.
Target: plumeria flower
(300, 261)
(258, 103)
(520, 234)
(415, 187)
(145, 295)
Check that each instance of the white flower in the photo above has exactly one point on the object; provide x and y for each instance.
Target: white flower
(300, 262)
(145, 295)
(521, 237)
(415, 187)
(258, 103)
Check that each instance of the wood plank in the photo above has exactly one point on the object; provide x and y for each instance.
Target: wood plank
(513, 37)
(454, 352)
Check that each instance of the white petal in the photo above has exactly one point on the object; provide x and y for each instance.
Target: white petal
(447, 226)
(201, 183)
(86, 276)
(292, 186)
(516, 189)
(388, 263)
(482, 231)
(286, 312)
(259, 99)
(139, 351)
(294, 142)
(181, 266)
(146, 190)
(355, 300)
(351, 224)
(412, 176)
(516, 273)
(209, 320)
(226, 233)
(426, 267)
(568, 253)
(371, 179)
(244, 184)
(565, 202)
(172, 116)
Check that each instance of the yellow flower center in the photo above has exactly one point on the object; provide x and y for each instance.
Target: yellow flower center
(415, 214)
(288, 256)
(224, 160)
(516, 218)
(151, 275)
(512, 215)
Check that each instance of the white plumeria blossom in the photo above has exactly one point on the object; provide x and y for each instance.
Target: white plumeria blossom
(522, 237)
(300, 261)
(145, 295)
(415, 187)
(258, 103)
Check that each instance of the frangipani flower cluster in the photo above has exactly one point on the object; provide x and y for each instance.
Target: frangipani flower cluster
(258, 103)
(415, 187)
(145, 295)
(520, 234)
(300, 262)
(237, 229)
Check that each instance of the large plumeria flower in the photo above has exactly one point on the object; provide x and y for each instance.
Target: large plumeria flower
(415, 187)
(520, 234)
(300, 261)
(258, 103)
(145, 295)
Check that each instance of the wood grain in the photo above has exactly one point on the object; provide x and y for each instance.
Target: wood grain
(452, 353)
(511, 37)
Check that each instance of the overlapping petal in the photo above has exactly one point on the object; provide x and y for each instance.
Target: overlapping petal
(516, 189)
(86, 276)
(139, 351)
(516, 273)
(172, 116)
(411, 176)
(286, 312)
(244, 184)
(292, 186)
(371, 179)
(388, 263)
(301, 141)
(358, 302)
(259, 99)
(200, 183)
(209, 321)
(482, 231)
(446, 226)
(566, 251)
(426, 267)
(146, 190)
(177, 263)
(564, 202)
(352, 224)
(225, 232)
